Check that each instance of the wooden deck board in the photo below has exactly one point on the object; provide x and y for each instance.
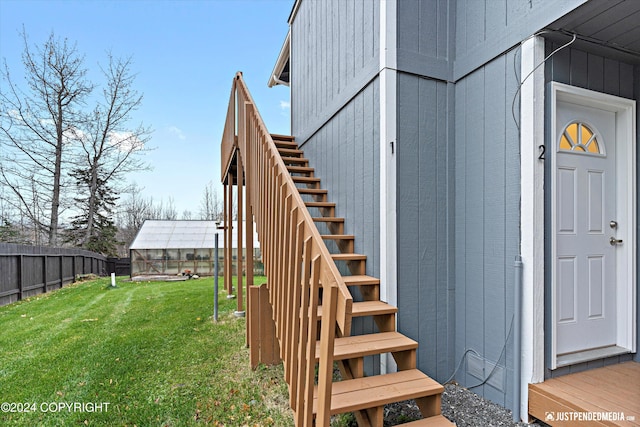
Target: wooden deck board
(365, 345)
(370, 392)
(368, 308)
(608, 391)
(437, 421)
(614, 388)
(361, 280)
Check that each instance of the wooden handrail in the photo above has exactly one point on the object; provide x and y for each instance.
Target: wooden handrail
(300, 271)
(229, 133)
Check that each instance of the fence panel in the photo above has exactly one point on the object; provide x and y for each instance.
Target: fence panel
(31, 270)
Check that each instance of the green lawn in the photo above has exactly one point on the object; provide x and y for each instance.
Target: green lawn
(151, 351)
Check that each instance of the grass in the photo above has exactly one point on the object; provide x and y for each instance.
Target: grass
(150, 350)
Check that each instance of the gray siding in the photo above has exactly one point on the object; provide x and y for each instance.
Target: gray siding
(636, 74)
(590, 71)
(487, 183)
(335, 114)
(334, 54)
(425, 198)
(346, 157)
(485, 29)
(595, 72)
(424, 42)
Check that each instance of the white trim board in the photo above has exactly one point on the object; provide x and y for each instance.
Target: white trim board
(388, 139)
(531, 217)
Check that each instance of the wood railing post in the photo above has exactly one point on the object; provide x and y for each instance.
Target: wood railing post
(264, 344)
(248, 190)
(325, 370)
(240, 263)
(229, 243)
(296, 261)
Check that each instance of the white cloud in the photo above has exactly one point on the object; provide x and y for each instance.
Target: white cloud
(125, 141)
(14, 114)
(285, 105)
(177, 132)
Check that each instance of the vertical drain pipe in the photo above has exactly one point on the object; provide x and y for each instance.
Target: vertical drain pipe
(517, 338)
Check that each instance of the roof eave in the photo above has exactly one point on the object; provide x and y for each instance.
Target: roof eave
(281, 62)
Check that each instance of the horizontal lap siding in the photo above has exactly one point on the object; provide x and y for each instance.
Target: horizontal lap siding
(425, 206)
(487, 177)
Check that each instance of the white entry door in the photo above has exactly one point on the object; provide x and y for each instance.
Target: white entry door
(592, 242)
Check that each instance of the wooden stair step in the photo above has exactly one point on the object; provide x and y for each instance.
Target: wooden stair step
(320, 205)
(296, 160)
(338, 236)
(290, 151)
(435, 421)
(379, 390)
(281, 137)
(285, 144)
(367, 345)
(372, 308)
(305, 179)
(300, 169)
(361, 280)
(348, 257)
(328, 219)
(312, 191)
(367, 308)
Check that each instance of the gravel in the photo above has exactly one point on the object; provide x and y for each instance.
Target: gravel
(463, 407)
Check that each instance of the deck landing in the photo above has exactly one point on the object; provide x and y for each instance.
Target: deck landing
(608, 396)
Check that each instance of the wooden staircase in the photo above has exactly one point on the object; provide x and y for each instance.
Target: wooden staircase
(364, 396)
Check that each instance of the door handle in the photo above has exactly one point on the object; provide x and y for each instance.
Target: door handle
(613, 241)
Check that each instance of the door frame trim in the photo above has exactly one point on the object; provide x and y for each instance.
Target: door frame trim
(625, 126)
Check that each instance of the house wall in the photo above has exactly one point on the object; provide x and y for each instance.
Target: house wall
(636, 74)
(425, 218)
(335, 110)
(485, 29)
(458, 165)
(334, 54)
(345, 156)
(424, 42)
(487, 202)
(595, 72)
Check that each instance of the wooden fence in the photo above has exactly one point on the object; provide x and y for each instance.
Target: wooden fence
(30, 270)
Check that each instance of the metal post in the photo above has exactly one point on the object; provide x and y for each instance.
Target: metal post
(517, 338)
(215, 277)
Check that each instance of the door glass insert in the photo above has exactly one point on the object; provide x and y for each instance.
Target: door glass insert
(578, 137)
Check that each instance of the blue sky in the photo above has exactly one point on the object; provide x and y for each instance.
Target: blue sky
(185, 54)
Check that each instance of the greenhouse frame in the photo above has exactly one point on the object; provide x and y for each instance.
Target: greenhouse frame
(182, 247)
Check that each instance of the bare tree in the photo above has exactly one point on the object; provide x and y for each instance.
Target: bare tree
(134, 210)
(35, 125)
(110, 148)
(210, 204)
(132, 213)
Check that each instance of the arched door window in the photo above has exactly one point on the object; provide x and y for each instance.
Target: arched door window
(578, 137)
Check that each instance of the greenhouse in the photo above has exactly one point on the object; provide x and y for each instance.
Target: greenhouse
(181, 247)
